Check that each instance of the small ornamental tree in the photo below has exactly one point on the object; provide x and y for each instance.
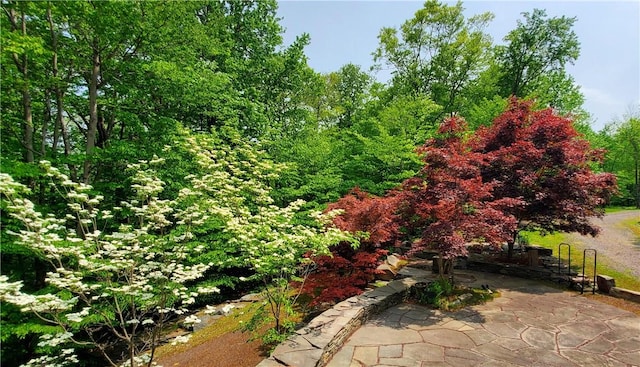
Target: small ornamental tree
(348, 269)
(362, 212)
(539, 158)
(447, 204)
(109, 288)
(273, 242)
(529, 170)
(105, 289)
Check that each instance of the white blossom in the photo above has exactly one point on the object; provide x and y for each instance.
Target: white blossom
(181, 339)
(192, 319)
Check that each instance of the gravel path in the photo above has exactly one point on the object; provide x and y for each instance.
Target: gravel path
(615, 243)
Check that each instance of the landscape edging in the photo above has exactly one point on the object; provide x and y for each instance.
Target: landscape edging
(318, 341)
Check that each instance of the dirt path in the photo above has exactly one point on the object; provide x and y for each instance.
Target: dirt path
(615, 243)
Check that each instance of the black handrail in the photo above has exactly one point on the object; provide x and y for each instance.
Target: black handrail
(584, 276)
(560, 261)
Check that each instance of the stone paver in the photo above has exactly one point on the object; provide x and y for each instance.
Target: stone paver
(531, 324)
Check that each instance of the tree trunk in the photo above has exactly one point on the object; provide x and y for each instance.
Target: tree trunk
(45, 123)
(21, 62)
(27, 138)
(60, 127)
(510, 245)
(93, 111)
(22, 65)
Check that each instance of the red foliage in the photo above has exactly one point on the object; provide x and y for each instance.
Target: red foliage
(343, 275)
(539, 158)
(368, 213)
(448, 204)
(528, 168)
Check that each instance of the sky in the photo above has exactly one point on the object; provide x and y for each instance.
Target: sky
(607, 71)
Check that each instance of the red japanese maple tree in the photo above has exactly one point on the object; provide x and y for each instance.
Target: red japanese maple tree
(448, 204)
(529, 170)
(348, 271)
(375, 215)
(539, 158)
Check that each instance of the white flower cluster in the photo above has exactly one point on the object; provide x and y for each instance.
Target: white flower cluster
(138, 272)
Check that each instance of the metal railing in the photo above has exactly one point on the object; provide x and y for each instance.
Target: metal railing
(569, 258)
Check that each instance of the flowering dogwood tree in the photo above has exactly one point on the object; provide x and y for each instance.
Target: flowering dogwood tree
(126, 283)
(110, 288)
(269, 240)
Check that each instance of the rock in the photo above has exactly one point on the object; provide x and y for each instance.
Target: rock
(393, 260)
(426, 254)
(251, 297)
(627, 294)
(465, 297)
(605, 283)
(385, 272)
(541, 250)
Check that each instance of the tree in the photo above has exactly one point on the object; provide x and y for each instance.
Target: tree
(623, 157)
(448, 204)
(128, 282)
(437, 53)
(539, 158)
(528, 170)
(351, 86)
(533, 61)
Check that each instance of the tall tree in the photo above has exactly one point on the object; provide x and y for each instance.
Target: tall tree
(436, 53)
(24, 45)
(352, 87)
(534, 59)
(623, 157)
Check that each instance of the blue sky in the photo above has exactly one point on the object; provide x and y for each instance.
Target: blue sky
(608, 70)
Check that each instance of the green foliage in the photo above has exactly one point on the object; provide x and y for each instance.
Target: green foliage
(434, 292)
(533, 62)
(622, 139)
(436, 54)
(97, 87)
(273, 320)
(442, 294)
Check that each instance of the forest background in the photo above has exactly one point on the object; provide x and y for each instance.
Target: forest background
(104, 90)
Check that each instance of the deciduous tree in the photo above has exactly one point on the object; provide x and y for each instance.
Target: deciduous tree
(538, 157)
(533, 61)
(436, 53)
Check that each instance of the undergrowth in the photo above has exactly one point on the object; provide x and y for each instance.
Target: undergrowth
(442, 294)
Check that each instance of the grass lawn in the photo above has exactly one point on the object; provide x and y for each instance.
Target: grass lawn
(632, 224)
(551, 241)
(614, 209)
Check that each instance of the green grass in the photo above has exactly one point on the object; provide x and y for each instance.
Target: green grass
(632, 224)
(615, 209)
(623, 278)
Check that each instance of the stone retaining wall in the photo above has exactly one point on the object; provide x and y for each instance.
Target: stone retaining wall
(320, 339)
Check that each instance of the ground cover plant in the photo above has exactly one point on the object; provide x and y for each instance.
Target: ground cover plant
(443, 294)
